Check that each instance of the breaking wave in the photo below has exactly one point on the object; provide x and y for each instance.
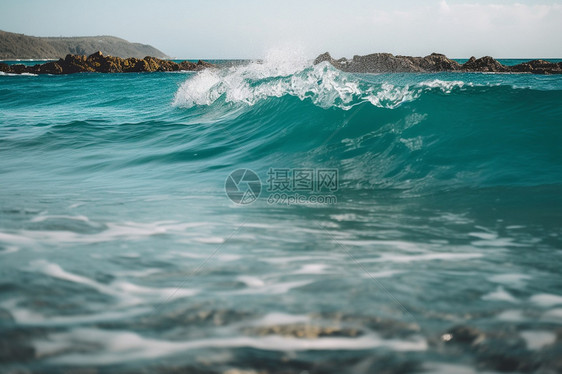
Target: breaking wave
(322, 84)
(387, 130)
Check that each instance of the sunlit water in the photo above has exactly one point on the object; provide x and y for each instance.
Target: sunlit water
(120, 251)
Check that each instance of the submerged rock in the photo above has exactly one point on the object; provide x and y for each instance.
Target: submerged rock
(99, 63)
(463, 335)
(435, 62)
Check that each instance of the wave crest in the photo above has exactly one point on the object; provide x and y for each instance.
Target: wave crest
(322, 84)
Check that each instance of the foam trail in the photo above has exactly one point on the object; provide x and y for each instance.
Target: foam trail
(127, 293)
(118, 346)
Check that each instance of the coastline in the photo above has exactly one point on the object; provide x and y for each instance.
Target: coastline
(372, 63)
(99, 63)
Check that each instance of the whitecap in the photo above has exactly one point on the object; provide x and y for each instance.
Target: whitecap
(500, 295)
(444, 86)
(278, 75)
(538, 339)
(389, 257)
(546, 300)
(511, 316)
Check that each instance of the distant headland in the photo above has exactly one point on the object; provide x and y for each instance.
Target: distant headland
(435, 62)
(98, 63)
(19, 46)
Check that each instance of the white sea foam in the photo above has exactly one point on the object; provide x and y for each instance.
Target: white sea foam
(290, 259)
(500, 295)
(24, 316)
(391, 244)
(275, 318)
(484, 235)
(113, 231)
(546, 300)
(537, 339)
(42, 218)
(278, 75)
(220, 256)
(251, 281)
(256, 286)
(381, 274)
(84, 346)
(22, 74)
(125, 292)
(322, 84)
(445, 86)
(313, 269)
(512, 315)
(15, 239)
(390, 257)
(413, 144)
(210, 240)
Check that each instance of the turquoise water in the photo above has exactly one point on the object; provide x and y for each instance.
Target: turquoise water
(121, 252)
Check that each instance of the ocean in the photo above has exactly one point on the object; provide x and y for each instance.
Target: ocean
(280, 217)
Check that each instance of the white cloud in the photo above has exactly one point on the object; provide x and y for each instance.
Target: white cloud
(503, 30)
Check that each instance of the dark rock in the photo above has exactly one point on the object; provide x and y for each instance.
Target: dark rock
(538, 67)
(99, 63)
(382, 63)
(19, 69)
(435, 62)
(463, 335)
(484, 64)
(4, 67)
(500, 350)
(505, 352)
(439, 62)
(203, 64)
(49, 68)
(187, 65)
(388, 63)
(325, 57)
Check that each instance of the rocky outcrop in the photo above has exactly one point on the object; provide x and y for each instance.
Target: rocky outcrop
(538, 67)
(485, 64)
(99, 63)
(435, 62)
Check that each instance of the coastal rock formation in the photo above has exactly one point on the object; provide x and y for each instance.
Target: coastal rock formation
(484, 64)
(99, 63)
(435, 62)
(538, 67)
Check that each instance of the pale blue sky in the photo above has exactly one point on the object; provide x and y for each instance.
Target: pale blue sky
(248, 28)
